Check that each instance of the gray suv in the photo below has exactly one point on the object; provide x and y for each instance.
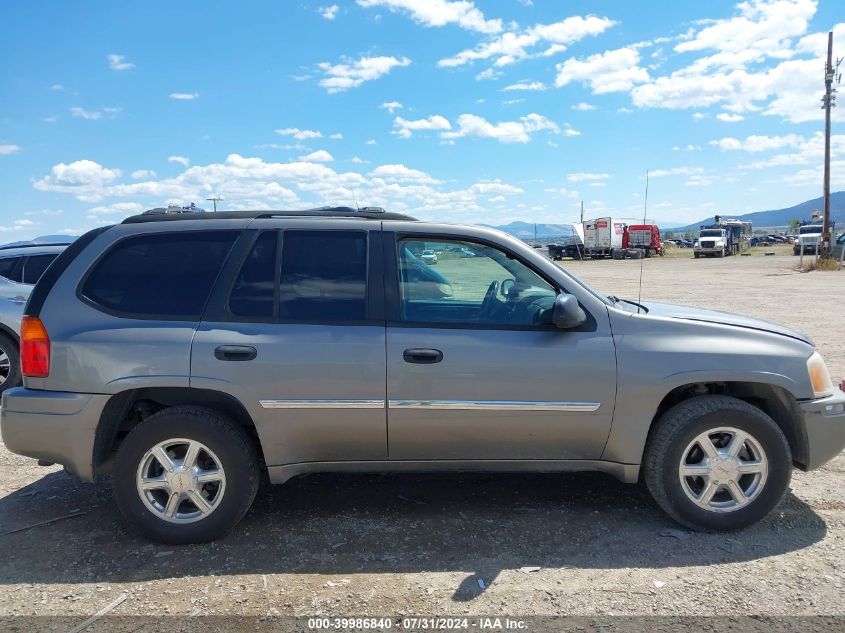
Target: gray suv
(186, 354)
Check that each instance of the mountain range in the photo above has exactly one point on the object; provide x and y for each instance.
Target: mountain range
(770, 218)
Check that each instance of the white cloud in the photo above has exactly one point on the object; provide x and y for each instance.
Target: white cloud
(123, 208)
(118, 62)
(390, 106)
(440, 13)
(513, 46)
(57, 87)
(184, 96)
(82, 113)
(525, 85)
(727, 117)
(759, 143)
(84, 178)
(583, 107)
(329, 13)
(489, 73)
(401, 173)
(504, 132)
(372, 141)
(182, 160)
(336, 136)
(8, 148)
(611, 71)
(495, 187)
(300, 135)
(583, 176)
(405, 128)
(359, 161)
(688, 148)
(675, 171)
(320, 156)
(353, 73)
(141, 174)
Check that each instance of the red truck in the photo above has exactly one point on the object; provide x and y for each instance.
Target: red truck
(645, 237)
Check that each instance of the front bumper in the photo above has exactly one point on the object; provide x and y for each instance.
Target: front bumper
(55, 426)
(824, 425)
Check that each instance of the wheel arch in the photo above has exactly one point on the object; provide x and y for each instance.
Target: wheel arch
(774, 400)
(5, 329)
(128, 408)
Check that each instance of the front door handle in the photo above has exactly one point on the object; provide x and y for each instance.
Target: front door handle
(235, 352)
(422, 355)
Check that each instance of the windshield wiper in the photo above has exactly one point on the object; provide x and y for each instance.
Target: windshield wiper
(634, 303)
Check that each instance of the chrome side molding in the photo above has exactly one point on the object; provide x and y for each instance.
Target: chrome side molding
(322, 404)
(495, 405)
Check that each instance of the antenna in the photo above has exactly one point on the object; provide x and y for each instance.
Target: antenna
(642, 259)
(356, 201)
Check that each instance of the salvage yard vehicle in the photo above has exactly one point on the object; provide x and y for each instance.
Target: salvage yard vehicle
(21, 265)
(185, 353)
(645, 237)
(722, 238)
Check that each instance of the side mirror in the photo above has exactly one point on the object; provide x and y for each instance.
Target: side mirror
(566, 313)
(506, 286)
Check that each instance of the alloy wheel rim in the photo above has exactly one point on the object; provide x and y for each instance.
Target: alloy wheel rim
(723, 469)
(180, 480)
(5, 366)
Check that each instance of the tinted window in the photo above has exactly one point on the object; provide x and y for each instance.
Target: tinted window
(324, 276)
(254, 289)
(167, 275)
(35, 266)
(469, 283)
(10, 268)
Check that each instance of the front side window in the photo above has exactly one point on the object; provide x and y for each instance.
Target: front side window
(323, 276)
(469, 283)
(165, 275)
(35, 266)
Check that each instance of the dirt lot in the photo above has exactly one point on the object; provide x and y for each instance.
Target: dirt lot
(461, 544)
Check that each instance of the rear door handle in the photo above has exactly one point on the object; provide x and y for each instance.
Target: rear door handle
(422, 355)
(235, 352)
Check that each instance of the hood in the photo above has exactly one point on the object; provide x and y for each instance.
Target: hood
(724, 318)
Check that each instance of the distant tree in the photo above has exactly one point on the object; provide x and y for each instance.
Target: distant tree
(794, 223)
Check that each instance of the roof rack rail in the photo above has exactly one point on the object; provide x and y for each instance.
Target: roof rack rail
(36, 245)
(369, 213)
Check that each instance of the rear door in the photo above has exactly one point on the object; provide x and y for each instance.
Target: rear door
(295, 331)
(475, 372)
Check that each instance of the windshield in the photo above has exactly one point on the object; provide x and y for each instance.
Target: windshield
(711, 233)
(817, 228)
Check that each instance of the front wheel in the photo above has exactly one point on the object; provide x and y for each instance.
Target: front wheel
(185, 475)
(717, 463)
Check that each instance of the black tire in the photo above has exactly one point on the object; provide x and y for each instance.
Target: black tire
(231, 444)
(696, 255)
(684, 422)
(9, 347)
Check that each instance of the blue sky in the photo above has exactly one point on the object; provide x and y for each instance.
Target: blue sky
(464, 111)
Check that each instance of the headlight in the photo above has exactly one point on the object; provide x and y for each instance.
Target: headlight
(819, 376)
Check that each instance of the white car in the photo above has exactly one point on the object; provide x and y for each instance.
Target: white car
(429, 256)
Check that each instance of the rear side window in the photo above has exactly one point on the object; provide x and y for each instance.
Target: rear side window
(35, 266)
(10, 268)
(324, 276)
(255, 286)
(165, 275)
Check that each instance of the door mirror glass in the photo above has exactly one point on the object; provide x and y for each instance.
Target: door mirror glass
(506, 286)
(567, 314)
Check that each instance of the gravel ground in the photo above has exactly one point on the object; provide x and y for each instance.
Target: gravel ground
(580, 544)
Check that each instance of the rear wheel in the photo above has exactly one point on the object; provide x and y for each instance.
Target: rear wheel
(717, 463)
(185, 475)
(696, 255)
(10, 364)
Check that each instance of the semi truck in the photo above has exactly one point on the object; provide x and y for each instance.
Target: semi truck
(571, 246)
(722, 238)
(810, 236)
(645, 237)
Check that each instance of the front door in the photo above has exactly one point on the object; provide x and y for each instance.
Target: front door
(291, 333)
(476, 372)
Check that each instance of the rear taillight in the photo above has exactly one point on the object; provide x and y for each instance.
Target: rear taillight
(35, 348)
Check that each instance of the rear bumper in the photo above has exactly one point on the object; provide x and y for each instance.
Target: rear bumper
(55, 426)
(824, 425)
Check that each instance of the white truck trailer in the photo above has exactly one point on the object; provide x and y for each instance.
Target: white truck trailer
(603, 236)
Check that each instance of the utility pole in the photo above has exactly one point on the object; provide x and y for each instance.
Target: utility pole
(828, 102)
(215, 200)
(582, 212)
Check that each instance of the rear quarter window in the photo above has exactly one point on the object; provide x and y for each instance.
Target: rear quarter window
(158, 275)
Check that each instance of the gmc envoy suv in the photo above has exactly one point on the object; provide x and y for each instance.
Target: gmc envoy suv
(184, 354)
